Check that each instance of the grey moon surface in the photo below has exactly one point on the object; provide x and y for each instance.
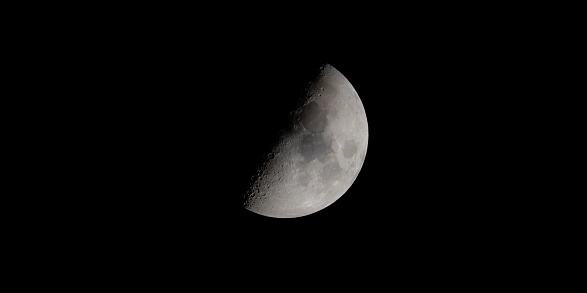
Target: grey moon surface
(318, 156)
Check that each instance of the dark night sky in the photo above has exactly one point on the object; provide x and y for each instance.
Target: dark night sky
(152, 135)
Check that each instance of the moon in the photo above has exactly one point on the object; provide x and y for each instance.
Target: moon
(318, 156)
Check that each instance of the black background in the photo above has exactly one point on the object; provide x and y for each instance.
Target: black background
(149, 128)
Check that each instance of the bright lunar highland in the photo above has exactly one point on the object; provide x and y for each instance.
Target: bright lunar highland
(318, 156)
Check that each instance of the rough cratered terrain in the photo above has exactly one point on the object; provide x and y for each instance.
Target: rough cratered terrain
(318, 156)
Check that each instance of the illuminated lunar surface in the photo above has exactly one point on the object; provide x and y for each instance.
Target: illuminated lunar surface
(318, 156)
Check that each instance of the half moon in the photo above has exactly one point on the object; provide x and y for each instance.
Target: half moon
(318, 155)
